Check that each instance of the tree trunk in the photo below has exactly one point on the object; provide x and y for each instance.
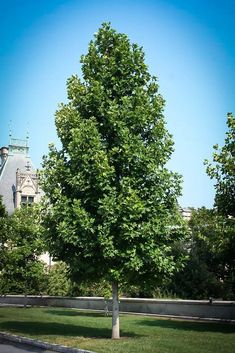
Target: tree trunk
(115, 318)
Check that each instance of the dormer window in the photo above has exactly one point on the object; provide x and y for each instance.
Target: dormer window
(27, 200)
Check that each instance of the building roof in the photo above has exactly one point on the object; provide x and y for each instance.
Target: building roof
(17, 158)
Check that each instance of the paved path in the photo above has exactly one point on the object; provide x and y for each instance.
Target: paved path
(9, 347)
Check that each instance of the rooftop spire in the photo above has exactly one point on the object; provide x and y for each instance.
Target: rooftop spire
(27, 133)
(10, 130)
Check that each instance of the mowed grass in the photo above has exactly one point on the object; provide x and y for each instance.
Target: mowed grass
(140, 334)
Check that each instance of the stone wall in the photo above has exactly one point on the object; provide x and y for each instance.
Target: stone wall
(223, 310)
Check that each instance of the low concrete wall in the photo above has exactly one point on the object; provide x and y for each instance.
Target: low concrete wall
(223, 310)
(188, 308)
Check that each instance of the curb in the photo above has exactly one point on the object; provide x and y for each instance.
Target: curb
(45, 345)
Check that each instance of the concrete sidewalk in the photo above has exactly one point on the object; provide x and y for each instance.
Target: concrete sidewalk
(10, 347)
(11, 343)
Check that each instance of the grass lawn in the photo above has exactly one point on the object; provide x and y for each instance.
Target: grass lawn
(140, 334)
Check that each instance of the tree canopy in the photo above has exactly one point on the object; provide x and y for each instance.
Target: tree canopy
(111, 209)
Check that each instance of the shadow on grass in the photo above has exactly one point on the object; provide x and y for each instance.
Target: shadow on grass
(189, 325)
(58, 329)
(76, 313)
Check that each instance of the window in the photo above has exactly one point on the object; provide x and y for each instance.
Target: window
(27, 200)
(23, 199)
(30, 199)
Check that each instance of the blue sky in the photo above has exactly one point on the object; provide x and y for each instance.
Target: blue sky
(189, 46)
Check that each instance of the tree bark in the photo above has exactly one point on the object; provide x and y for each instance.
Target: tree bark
(115, 317)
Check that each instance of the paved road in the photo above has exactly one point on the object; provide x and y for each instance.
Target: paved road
(9, 347)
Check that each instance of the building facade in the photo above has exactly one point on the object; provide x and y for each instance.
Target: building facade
(18, 178)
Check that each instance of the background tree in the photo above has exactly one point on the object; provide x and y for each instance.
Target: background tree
(223, 171)
(3, 211)
(113, 209)
(58, 281)
(210, 270)
(22, 272)
(3, 233)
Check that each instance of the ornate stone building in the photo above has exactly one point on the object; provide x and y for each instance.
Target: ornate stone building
(186, 213)
(18, 178)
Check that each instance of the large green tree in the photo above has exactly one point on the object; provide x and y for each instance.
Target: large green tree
(111, 209)
(222, 169)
